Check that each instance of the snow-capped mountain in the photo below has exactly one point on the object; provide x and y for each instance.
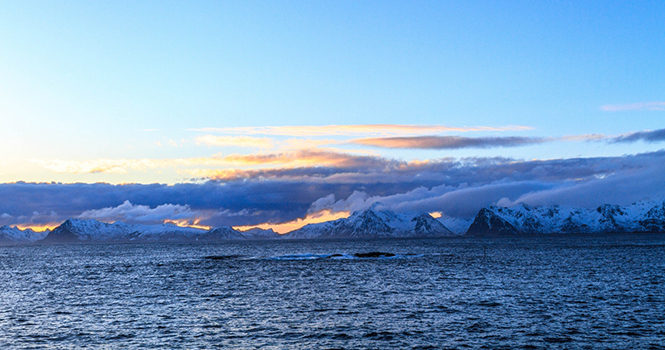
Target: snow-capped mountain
(74, 230)
(644, 216)
(373, 224)
(10, 235)
(222, 234)
(77, 230)
(459, 226)
(260, 234)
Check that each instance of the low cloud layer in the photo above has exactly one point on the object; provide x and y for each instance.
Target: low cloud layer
(128, 212)
(455, 187)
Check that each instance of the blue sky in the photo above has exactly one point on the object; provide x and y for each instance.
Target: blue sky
(181, 92)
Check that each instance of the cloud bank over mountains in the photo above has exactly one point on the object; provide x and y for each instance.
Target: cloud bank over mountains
(454, 187)
(299, 173)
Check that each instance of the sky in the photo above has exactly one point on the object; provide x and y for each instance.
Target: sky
(288, 112)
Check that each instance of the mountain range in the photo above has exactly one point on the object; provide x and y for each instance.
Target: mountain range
(644, 216)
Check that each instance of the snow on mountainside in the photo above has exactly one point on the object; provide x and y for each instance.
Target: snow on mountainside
(372, 224)
(644, 216)
(459, 226)
(96, 231)
(9, 235)
(75, 230)
(260, 234)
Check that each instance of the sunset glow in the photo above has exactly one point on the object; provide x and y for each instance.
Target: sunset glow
(314, 218)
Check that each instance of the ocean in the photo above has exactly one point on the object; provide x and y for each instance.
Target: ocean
(547, 292)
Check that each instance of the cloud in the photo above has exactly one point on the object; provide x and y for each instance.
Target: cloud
(460, 201)
(449, 142)
(128, 212)
(117, 166)
(465, 201)
(347, 130)
(455, 187)
(298, 158)
(640, 106)
(646, 136)
(303, 158)
(236, 141)
(585, 138)
(219, 167)
(311, 218)
(622, 187)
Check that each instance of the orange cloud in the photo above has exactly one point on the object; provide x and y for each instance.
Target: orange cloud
(313, 218)
(346, 130)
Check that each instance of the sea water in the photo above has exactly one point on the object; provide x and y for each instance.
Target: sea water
(565, 292)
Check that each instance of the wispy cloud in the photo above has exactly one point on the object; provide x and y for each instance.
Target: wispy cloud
(646, 136)
(287, 159)
(236, 141)
(449, 142)
(585, 138)
(351, 130)
(114, 166)
(640, 106)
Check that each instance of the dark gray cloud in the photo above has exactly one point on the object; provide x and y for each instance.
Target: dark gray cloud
(586, 182)
(449, 142)
(457, 187)
(646, 136)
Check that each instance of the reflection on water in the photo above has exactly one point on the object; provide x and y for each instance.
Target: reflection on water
(547, 292)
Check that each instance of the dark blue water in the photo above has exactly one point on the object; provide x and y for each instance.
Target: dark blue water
(601, 292)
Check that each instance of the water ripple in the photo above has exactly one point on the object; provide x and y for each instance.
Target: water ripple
(525, 293)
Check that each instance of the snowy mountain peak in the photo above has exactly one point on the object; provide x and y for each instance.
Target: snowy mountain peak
(372, 224)
(77, 230)
(11, 235)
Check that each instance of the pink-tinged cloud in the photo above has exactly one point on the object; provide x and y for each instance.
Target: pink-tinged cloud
(300, 158)
(640, 106)
(449, 142)
(350, 130)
